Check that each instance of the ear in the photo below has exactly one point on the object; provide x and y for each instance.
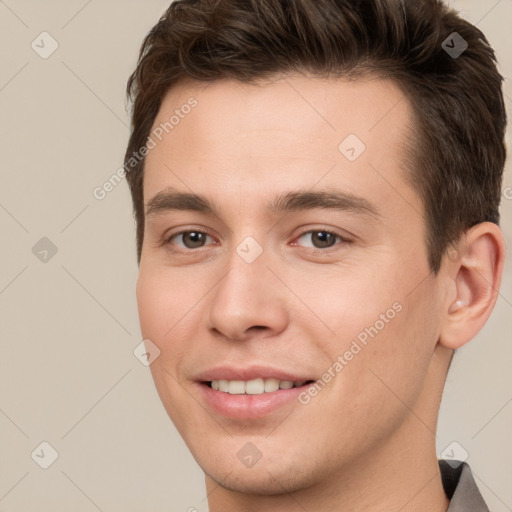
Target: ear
(474, 281)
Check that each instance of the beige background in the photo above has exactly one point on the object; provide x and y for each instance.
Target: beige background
(69, 326)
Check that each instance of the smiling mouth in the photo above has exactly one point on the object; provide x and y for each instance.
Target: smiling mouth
(257, 386)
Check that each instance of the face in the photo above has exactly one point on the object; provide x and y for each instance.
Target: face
(284, 247)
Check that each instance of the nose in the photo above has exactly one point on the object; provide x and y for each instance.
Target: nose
(249, 301)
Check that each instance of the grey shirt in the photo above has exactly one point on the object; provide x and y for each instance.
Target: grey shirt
(460, 487)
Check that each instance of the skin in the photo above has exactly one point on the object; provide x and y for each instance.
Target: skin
(299, 305)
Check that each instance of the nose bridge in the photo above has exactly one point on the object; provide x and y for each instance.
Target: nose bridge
(248, 294)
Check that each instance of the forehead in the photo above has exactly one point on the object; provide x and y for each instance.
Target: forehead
(293, 130)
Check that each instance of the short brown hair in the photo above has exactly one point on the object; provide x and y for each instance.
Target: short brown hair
(459, 153)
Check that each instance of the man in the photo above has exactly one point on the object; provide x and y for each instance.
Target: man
(316, 186)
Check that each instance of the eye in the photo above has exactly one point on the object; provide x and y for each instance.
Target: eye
(322, 239)
(189, 239)
(318, 239)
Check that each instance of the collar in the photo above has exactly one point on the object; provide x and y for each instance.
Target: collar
(460, 487)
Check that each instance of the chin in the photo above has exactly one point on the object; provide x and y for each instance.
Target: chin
(270, 477)
(262, 482)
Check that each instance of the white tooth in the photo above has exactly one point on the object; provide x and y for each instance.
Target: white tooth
(254, 387)
(271, 385)
(236, 387)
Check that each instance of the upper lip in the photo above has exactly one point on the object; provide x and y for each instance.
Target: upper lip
(231, 372)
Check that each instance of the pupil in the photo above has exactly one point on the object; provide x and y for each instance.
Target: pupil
(196, 239)
(325, 238)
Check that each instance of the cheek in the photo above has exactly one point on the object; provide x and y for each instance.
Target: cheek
(379, 329)
(347, 301)
(397, 357)
(166, 308)
(153, 304)
(164, 299)
(164, 320)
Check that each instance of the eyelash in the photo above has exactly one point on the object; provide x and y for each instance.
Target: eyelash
(342, 240)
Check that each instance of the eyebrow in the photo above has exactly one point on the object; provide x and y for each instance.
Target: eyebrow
(293, 201)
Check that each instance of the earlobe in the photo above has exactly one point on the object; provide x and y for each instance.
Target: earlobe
(476, 278)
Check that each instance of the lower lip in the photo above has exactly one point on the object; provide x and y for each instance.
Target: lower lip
(248, 406)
